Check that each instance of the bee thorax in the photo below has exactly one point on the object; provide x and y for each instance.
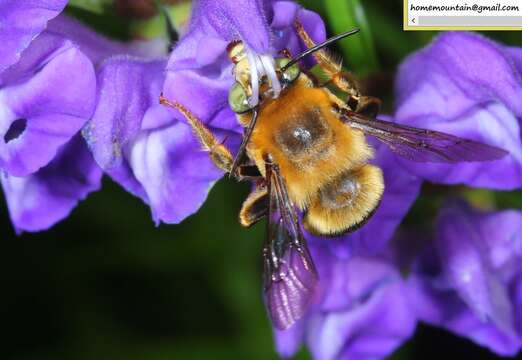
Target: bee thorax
(302, 135)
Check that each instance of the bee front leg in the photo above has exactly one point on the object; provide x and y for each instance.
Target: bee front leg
(218, 152)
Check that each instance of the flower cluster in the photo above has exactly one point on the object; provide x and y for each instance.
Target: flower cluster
(75, 105)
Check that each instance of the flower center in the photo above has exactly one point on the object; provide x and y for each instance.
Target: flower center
(262, 65)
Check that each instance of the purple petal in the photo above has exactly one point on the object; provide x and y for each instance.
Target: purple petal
(462, 253)
(347, 286)
(142, 146)
(285, 14)
(471, 287)
(377, 321)
(38, 201)
(239, 20)
(360, 311)
(128, 88)
(446, 309)
(52, 90)
(98, 47)
(465, 85)
(173, 170)
(205, 96)
(22, 21)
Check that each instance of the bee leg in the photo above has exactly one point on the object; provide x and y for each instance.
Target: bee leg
(332, 68)
(255, 207)
(246, 138)
(249, 172)
(368, 106)
(219, 154)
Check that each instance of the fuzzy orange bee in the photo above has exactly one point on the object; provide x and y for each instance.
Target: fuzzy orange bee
(306, 150)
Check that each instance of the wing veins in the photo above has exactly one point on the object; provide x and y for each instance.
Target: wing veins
(422, 145)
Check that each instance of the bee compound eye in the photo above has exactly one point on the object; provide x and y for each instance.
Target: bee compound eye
(291, 73)
(238, 100)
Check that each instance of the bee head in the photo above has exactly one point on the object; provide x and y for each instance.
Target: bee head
(256, 77)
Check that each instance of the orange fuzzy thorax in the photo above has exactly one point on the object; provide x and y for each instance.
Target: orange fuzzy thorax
(305, 138)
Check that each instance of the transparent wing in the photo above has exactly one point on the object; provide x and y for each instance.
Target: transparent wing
(289, 273)
(422, 145)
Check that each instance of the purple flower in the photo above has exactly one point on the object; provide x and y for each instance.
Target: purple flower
(469, 86)
(22, 21)
(38, 201)
(469, 279)
(142, 146)
(360, 310)
(99, 48)
(46, 97)
(47, 93)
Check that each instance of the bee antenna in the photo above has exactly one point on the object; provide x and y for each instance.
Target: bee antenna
(319, 47)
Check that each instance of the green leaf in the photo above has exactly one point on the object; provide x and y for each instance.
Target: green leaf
(391, 39)
(96, 6)
(358, 51)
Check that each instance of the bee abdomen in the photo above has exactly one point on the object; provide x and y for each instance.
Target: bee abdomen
(345, 203)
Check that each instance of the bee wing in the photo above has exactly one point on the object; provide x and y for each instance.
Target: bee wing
(289, 273)
(422, 145)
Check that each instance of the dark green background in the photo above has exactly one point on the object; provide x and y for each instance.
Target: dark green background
(107, 284)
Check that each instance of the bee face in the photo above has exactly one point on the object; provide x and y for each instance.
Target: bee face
(257, 77)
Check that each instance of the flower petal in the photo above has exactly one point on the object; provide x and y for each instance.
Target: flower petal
(376, 323)
(141, 144)
(98, 47)
(21, 21)
(471, 287)
(444, 308)
(462, 252)
(128, 88)
(175, 173)
(465, 85)
(51, 89)
(199, 73)
(38, 201)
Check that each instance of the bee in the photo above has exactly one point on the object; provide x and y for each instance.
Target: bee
(305, 149)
